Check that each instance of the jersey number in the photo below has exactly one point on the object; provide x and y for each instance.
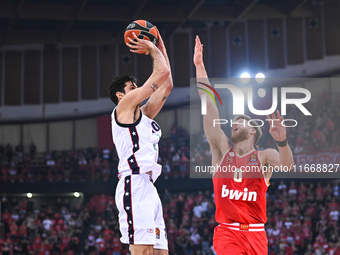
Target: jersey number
(155, 127)
(238, 175)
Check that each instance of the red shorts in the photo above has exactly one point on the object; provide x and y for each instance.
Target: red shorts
(228, 241)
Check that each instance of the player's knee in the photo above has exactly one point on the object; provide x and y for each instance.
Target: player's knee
(141, 249)
(160, 252)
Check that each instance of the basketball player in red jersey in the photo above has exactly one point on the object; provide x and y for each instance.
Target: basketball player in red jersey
(240, 195)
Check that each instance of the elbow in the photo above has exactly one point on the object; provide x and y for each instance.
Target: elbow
(170, 84)
(165, 72)
(287, 165)
(291, 165)
(163, 75)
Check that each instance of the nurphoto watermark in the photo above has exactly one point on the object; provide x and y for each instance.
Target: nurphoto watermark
(298, 102)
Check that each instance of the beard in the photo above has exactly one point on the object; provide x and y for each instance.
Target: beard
(240, 136)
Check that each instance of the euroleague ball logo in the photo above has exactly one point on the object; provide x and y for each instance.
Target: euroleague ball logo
(132, 25)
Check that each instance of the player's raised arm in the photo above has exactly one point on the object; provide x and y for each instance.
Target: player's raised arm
(218, 141)
(159, 75)
(157, 100)
(283, 157)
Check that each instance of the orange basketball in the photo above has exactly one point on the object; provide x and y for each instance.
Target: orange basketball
(143, 30)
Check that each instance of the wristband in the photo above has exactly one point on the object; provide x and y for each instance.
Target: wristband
(282, 144)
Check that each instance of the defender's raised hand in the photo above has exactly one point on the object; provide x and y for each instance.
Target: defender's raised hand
(277, 130)
(198, 54)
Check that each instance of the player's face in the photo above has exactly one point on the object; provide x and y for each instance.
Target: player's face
(240, 131)
(129, 86)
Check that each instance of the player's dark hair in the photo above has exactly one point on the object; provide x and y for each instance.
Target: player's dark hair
(254, 125)
(118, 84)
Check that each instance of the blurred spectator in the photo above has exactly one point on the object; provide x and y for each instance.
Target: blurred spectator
(47, 223)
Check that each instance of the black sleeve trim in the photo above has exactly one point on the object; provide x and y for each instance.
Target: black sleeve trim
(128, 125)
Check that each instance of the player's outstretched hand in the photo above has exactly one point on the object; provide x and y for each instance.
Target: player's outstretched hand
(277, 130)
(139, 45)
(198, 54)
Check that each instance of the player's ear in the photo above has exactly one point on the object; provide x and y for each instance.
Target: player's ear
(253, 131)
(119, 95)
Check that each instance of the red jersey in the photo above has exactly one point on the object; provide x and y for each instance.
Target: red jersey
(240, 189)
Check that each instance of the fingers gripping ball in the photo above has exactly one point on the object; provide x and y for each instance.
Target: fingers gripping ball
(143, 30)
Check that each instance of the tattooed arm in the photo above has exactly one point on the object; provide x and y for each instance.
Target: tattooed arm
(160, 74)
(154, 87)
(157, 100)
